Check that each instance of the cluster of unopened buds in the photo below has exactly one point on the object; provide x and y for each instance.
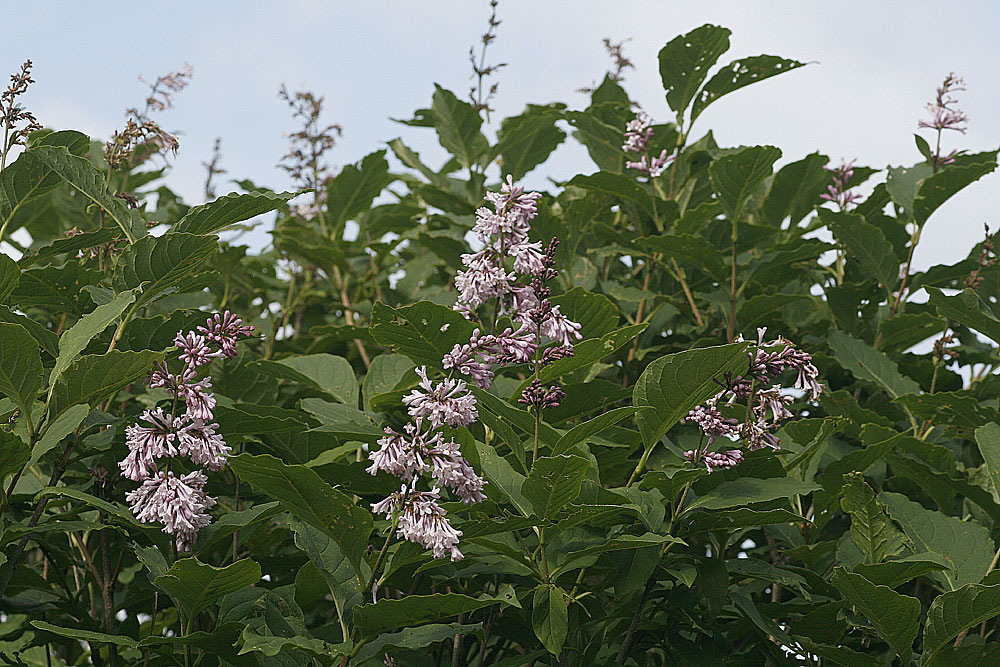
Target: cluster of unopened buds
(638, 133)
(423, 449)
(178, 500)
(838, 192)
(767, 403)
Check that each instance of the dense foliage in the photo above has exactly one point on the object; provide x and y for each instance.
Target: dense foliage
(721, 421)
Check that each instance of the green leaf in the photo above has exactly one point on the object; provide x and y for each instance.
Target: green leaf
(502, 477)
(896, 617)
(353, 190)
(335, 567)
(895, 573)
(71, 244)
(581, 432)
(409, 639)
(457, 124)
(20, 366)
(795, 191)
(526, 141)
(90, 182)
(970, 654)
(865, 244)
(14, 454)
(196, 586)
(868, 364)
(75, 339)
(689, 249)
(343, 420)
(123, 515)
(386, 614)
(953, 612)
(596, 314)
(685, 61)
(423, 331)
(332, 375)
(745, 490)
(964, 545)
(812, 434)
(554, 482)
(988, 440)
(868, 519)
(86, 635)
(93, 378)
(966, 308)
(549, 617)
(675, 383)
(229, 210)
(737, 176)
(738, 74)
(46, 338)
(935, 190)
(57, 430)
(10, 274)
(902, 183)
(588, 352)
(600, 128)
(306, 496)
(386, 371)
(161, 265)
(623, 188)
(240, 419)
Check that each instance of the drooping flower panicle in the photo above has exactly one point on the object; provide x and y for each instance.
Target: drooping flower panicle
(179, 502)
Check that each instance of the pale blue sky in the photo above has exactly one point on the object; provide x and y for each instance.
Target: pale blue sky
(877, 65)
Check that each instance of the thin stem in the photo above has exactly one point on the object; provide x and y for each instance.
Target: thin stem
(679, 274)
(627, 642)
(731, 325)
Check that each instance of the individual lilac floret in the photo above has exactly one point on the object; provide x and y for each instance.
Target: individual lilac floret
(449, 402)
(717, 460)
(838, 192)
(538, 396)
(179, 503)
(651, 166)
(944, 116)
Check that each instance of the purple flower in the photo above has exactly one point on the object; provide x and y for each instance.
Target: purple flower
(179, 503)
(711, 421)
(149, 442)
(652, 167)
(944, 116)
(422, 521)
(194, 349)
(447, 403)
(527, 257)
(717, 460)
(838, 192)
(450, 469)
(199, 401)
(638, 133)
(560, 328)
(538, 396)
(224, 330)
(199, 441)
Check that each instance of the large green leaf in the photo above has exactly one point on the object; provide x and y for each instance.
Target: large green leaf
(596, 314)
(526, 141)
(625, 189)
(737, 176)
(676, 383)
(306, 496)
(332, 375)
(689, 249)
(554, 482)
(13, 454)
(868, 364)
(55, 431)
(161, 265)
(965, 545)
(504, 481)
(868, 519)
(386, 614)
(896, 617)
(685, 61)
(796, 189)
(10, 274)
(410, 639)
(343, 420)
(93, 378)
(229, 210)
(75, 339)
(353, 190)
(70, 244)
(423, 331)
(589, 351)
(959, 610)
(940, 187)
(746, 490)
(386, 371)
(894, 573)
(865, 244)
(20, 365)
(902, 183)
(966, 308)
(988, 439)
(197, 586)
(549, 617)
(738, 74)
(86, 635)
(581, 432)
(457, 124)
(335, 567)
(90, 182)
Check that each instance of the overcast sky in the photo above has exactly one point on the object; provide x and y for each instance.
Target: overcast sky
(875, 66)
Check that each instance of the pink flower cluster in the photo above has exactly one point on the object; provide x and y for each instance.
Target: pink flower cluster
(838, 192)
(423, 449)
(944, 115)
(638, 133)
(179, 501)
(767, 403)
